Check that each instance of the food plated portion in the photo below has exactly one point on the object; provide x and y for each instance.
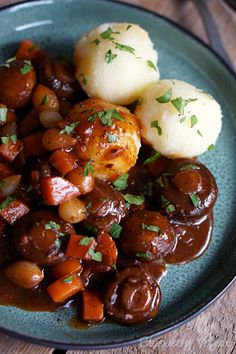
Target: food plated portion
(98, 198)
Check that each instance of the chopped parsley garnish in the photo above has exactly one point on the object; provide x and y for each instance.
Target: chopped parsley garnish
(87, 169)
(160, 182)
(112, 138)
(7, 201)
(179, 103)
(26, 68)
(195, 200)
(134, 199)
(211, 147)
(68, 280)
(151, 65)
(96, 41)
(167, 205)
(44, 100)
(189, 166)
(29, 188)
(86, 240)
(52, 225)
(90, 228)
(96, 256)
(182, 119)
(115, 230)
(193, 120)
(108, 34)
(152, 158)
(142, 254)
(3, 115)
(104, 199)
(124, 47)
(199, 133)
(128, 27)
(155, 124)
(109, 56)
(57, 243)
(84, 80)
(151, 228)
(68, 129)
(89, 205)
(7, 139)
(106, 117)
(122, 182)
(166, 97)
(170, 208)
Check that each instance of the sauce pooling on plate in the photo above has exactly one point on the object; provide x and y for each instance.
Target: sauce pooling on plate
(87, 217)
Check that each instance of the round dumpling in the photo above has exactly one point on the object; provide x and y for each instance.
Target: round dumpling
(115, 62)
(177, 119)
(108, 137)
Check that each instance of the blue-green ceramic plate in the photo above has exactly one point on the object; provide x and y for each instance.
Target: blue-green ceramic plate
(187, 289)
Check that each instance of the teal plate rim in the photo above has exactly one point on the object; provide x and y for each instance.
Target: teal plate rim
(198, 309)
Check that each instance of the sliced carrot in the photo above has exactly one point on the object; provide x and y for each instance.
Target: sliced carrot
(63, 288)
(79, 246)
(10, 150)
(57, 190)
(14, 211)
(63, 161)
(30, 51)
(33, 145)
(67, 267)
(5, 170)
(92, 306)
(108, 249)
(30, 123)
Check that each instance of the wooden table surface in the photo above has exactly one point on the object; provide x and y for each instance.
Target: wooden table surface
(213, 331)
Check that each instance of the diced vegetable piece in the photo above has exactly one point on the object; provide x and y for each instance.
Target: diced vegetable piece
(33, 145)
(24, 274)
(79, 246)
(85, 182)
(53, 140)
(67, 267)
(10, 150)
(50, 119)
(92, 306)
(45, 99)
(57, 190)
(63, 288)
(30, 123)
(107, 247)
(5, 170)
(63, 161)
(73, 211)
(8, 185)
(14, 211)
(28, 50)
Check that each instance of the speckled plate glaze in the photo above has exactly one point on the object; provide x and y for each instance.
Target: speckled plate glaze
(187, 289)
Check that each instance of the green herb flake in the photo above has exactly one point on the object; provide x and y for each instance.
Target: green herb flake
(108, 34)
(211, 147)
(160, 182)
(167, 205)
(6, 202)
(44, 100)
(87, 169)
(189, 166)
(57, 243)
(106, 117)
(115, 230)
(142, 254)
(90, 228)
(166, 97)
(152, 158)
(26, 68)
(68, 129)
(179, 103)
(170, 208)
(104, 199)
(155, 124)
(96, 41)
(151, 65)
(124, 47)
(109, 56)
(134, 199)
(128, 27)
(68, 280)
(193, 121)
(121, 183)
(3, 115)
(96, 256)
(52, 225)
(182, 119)
(152, 228)
(112, 138)
(89, 205)
(7, 139)
(84, 80)
(29, 188)
(85, 240)
(199, 133)
(195, 200)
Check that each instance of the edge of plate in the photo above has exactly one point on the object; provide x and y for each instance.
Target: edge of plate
(196, 311)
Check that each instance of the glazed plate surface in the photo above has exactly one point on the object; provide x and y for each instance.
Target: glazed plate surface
(186, 289)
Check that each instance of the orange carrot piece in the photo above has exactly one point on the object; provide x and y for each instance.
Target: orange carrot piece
(5, 170)
(14, 211)
(107, 247)
(92, 306)
(63, 288)
(63, 161)
(10, 150)
(29, 123)
(28, 50)
(33, 145)
(66, 267)
(79, 246)
(57, 190)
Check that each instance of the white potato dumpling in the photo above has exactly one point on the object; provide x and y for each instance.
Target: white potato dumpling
(177, 119)
(115, 62)
(108, 138)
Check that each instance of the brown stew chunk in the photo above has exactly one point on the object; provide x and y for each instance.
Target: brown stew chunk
(132, 297)
(147, 235)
